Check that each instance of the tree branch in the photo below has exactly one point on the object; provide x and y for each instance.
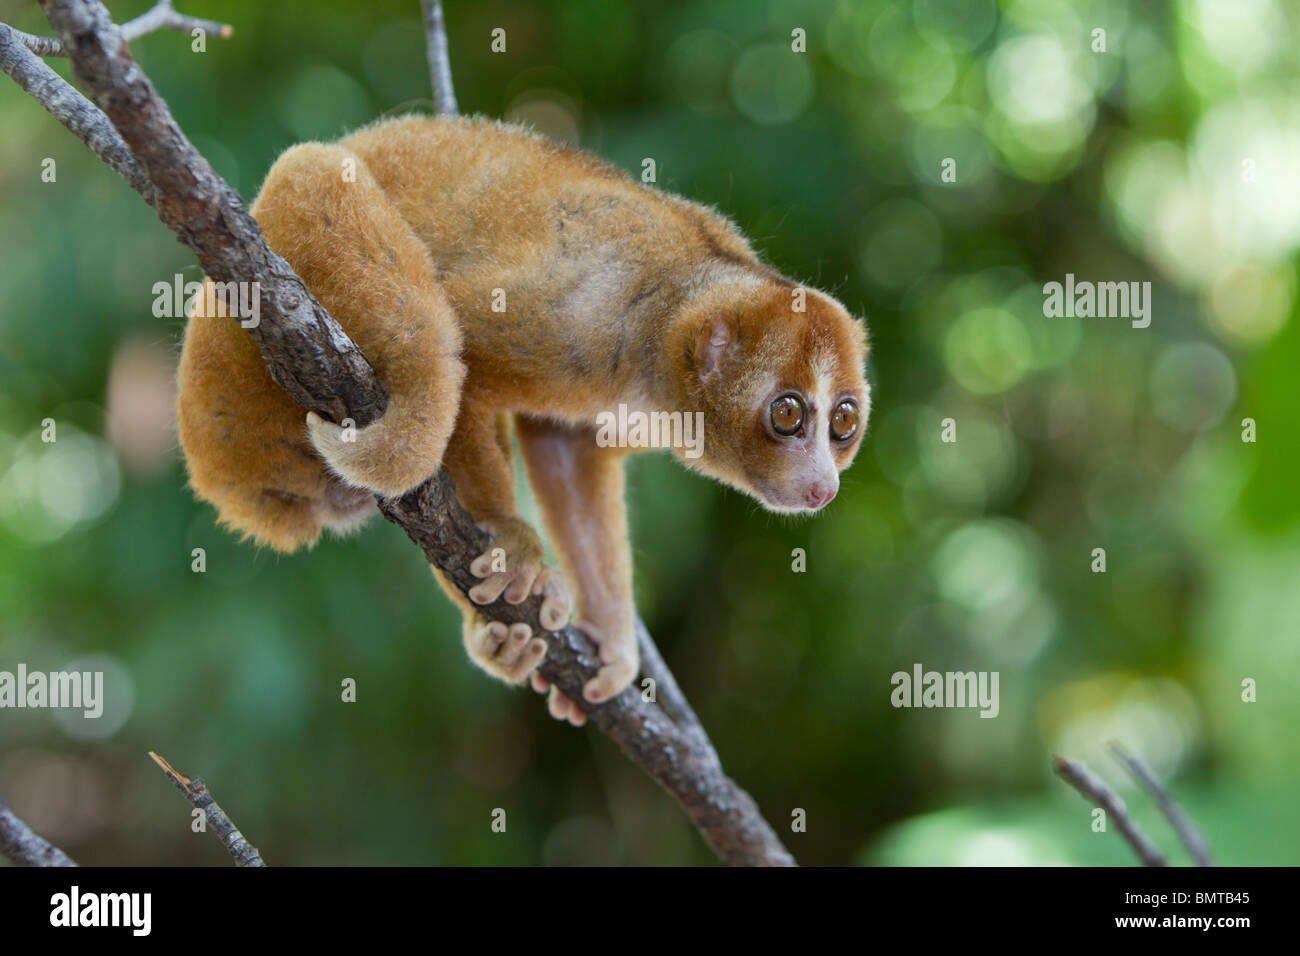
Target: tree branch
(1187, 831)
(681, 759)
(196, 791)
(159, 17)
(1092, 787)
(22, 847)
(322, 369)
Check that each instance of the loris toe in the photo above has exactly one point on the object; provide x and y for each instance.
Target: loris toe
(509, 652)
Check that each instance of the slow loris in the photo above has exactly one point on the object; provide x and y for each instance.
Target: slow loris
(494, 278)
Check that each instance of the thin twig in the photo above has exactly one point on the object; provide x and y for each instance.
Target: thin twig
(435, 30)
(22, 847)
(159, 17)
(196, 791)
(1187, 831)
(1092, 787)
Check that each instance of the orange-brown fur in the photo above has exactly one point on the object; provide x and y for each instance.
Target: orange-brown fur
(614, 293)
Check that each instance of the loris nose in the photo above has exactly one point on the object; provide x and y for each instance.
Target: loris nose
(820, 493)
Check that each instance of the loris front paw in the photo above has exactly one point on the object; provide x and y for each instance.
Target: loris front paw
(507, 651)
(512, 569)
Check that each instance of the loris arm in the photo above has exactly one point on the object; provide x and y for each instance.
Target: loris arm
(579, 487)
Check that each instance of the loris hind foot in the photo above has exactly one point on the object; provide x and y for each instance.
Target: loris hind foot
(513, 568)
(619, 661)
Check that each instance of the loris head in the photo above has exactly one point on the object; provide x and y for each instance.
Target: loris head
(784, 396)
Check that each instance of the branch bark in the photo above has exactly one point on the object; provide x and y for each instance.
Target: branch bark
(22, 847)
(323, 370)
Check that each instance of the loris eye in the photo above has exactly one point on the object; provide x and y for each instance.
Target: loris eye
(787, 415)
(844, 420)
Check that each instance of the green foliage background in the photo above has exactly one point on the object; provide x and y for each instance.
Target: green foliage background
(1073, 434)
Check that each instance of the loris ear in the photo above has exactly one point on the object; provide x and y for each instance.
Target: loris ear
(715, 347)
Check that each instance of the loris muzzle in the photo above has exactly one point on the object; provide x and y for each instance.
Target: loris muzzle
(508, 291)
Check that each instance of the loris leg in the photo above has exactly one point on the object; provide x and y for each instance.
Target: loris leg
(579, 486)
(478, 460)
(323, 211)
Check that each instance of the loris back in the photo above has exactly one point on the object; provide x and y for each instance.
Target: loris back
(496, 279)
(566, 237)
